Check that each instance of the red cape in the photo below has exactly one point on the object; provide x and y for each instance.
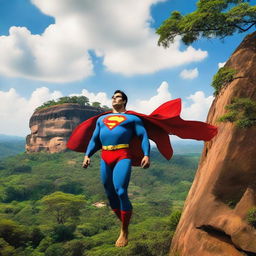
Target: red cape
(159, 124)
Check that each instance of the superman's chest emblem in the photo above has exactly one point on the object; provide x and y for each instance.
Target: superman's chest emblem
(113, 121)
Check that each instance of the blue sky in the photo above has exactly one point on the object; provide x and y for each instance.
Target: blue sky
(55, 48)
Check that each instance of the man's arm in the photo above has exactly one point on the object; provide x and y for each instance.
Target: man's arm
(93, 145)
(142, 133)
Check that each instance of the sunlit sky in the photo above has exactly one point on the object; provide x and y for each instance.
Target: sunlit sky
(56, 48)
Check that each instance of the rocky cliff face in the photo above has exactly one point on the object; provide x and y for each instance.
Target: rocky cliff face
(214, 220)
(52, 126)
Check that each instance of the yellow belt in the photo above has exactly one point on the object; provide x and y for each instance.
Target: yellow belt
(114, 147)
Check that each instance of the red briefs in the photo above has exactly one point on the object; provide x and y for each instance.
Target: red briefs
(111, 157)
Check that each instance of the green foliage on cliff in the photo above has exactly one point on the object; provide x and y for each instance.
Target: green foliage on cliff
(242, 112)
(81, 100)
(212, 18)
(29, 182)
(221, 78)
(251, 216)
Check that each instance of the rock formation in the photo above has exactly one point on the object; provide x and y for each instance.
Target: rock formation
(52, 126)
(213, 220)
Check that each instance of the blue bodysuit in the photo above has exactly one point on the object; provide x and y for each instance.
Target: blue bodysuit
(115, 129)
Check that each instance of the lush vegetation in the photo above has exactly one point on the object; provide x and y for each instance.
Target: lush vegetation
(221, 78)
(251, 216)
(47, 206)
(212, 18)
(242, 111)
(11, 145)
(81, 100)
(11, 148)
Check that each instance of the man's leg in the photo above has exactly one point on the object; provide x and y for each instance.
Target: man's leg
(107, 181)
(121, 178)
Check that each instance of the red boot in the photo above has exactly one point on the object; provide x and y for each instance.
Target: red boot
(118, 213)
(125, 217)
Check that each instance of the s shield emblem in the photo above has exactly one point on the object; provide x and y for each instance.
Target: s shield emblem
(113, 121)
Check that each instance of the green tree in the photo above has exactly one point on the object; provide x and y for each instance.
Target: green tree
(213, 18)
(63, 206)
(55, 250)
(13, 233)
(82, 100)
(64, 99)
(96, 104)
(36, 236)
(221, 78)
(21, 169)
(241, 111)
(174, 219)
(106, 108)
(63, 233)
(6, 249)
(18, 193)
(251, 216)
(75, 248)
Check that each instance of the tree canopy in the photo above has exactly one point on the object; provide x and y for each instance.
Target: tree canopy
(213, 18)
(81, 100)
(63, 205)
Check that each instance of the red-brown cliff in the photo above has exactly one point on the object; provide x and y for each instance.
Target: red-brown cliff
(214, 220)
(51, 127)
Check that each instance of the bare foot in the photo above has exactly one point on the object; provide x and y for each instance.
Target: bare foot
(122, 239)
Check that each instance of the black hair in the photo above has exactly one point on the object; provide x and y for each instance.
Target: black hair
(124, 96)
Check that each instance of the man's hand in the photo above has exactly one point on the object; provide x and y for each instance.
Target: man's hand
(145, 162)
(86, 162)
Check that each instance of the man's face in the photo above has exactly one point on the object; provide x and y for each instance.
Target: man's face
(117, 99)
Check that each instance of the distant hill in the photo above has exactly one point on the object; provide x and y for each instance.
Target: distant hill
(185, 147)
(11, 145)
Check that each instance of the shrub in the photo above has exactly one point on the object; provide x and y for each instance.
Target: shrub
(222, 77)
(63, 233)
(88, 229)
(55, 250)
(21, 169)
(72, 187)
(14, 234)
(241, 111)
(6, 249)
(75, 248)
(251, 217)
(81, 100)
(174, 219)
(45, 243)
(36, 236)
(17, 193)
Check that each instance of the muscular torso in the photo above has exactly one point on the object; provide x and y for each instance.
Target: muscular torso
(114, 129)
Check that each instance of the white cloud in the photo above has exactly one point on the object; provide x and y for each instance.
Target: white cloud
(95, 97)
(48, 57)
(147, 106)
(15, 111)
(221, 64)
(118, 31)
(198, 109)
(189, 73)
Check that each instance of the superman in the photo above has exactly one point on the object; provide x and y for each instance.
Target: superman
(123, 137)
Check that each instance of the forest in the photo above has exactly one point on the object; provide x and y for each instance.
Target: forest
(51, 206)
